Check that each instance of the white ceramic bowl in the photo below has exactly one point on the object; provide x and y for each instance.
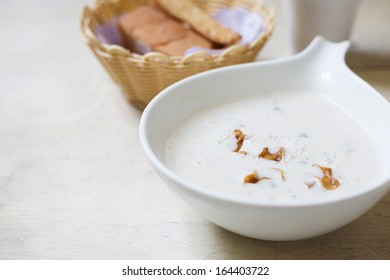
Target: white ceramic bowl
(319, 66)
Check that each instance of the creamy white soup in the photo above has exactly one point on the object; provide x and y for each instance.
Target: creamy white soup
(281, 146)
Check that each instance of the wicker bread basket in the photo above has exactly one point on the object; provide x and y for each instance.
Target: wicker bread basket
(141, 77)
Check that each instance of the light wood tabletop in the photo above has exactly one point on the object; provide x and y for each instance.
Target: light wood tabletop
(74, 182)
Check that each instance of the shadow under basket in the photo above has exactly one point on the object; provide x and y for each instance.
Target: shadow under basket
(142, 77)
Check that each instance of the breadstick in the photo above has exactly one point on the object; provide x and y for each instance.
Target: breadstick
(187, 11)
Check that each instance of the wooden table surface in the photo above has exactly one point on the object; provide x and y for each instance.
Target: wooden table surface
(74, 182)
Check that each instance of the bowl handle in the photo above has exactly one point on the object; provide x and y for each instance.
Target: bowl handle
(325, 52)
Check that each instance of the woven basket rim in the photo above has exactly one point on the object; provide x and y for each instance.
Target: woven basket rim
(267, 14)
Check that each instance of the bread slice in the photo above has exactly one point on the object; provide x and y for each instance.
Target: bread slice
(139, 17)
(180, 46)
(187, 11)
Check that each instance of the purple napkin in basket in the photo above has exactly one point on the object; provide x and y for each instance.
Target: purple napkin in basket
(108, 33)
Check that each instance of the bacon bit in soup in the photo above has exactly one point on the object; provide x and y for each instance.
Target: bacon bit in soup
(328, 181)
(253, 178)
(278, 156)
(310, 185)
(240, 140)
(281, 171)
